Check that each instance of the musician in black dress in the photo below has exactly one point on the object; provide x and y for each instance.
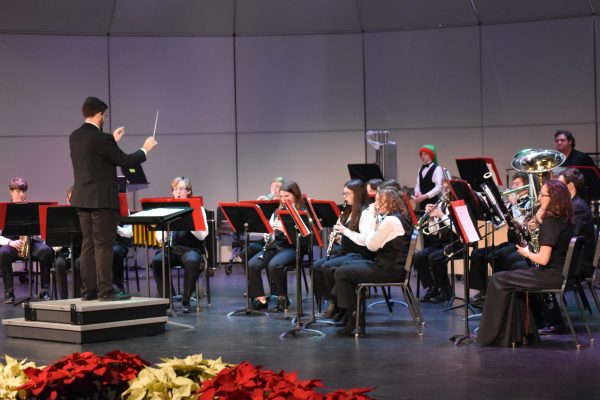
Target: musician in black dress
(390, 238)
(276, 254)
(357, 218)
(501, 324)
(186, 249)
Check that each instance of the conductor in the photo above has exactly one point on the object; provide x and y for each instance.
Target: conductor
(95, 156)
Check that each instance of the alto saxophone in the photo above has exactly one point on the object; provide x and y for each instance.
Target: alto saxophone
(24, 251)
(333, 235)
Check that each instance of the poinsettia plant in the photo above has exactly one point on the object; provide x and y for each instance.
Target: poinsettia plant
(247, 381)
(12, 376)
(84, 376)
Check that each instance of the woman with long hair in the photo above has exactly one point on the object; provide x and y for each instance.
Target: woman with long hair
(501, 322)
(276, 254)
(356, 220)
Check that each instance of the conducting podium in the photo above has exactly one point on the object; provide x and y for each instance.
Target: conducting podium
(23, 220)
(247, 218)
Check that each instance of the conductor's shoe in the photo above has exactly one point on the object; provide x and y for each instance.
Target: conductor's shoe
(89, 296)
(114, 296)
(44, 295)
(9, 298)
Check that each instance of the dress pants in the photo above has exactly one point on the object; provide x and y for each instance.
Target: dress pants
(275, 260)
(324, 271)
(98, 227)
(478, 266)
(432, 267)
(39, 252)
(192, 264)
(347, 278)
(502, 322)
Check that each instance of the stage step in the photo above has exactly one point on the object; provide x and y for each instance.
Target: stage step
(76, 321)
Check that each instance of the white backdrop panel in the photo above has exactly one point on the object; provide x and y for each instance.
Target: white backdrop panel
(315, 160)
(299, 83)
(424, 78)
(45, 79)
(538, 72)
(189, 79)
(450, 143)
(44, 162)
(207, 160)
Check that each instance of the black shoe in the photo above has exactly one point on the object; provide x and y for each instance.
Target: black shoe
(331, 310)
(432, 292)
(9, 298)
(257, 304)
(443, 296)
(338, 317)
(282, 304)
(478, 299)
(343, 321)
(89, 296)
(350, 328)
(552, 330)
(44, 295)
(186, 307)
(114, 296)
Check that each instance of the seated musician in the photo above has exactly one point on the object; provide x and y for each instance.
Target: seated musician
(477, 264)
(348, 242)
(372, 186)
(390, 238)
(186, 249)
(276, 254)
(12, 249)
(64, 259)
(500, 324)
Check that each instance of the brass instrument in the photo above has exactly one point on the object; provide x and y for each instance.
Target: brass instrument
(535, 162)
(515, 190)
(24, 251)
(333, 235)
(423, 223)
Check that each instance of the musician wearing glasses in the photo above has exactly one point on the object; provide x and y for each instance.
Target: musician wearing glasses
(517, 202)
(186, 249)
(389, 238)
(276, 254)
(349, 245)
(500, 323)
(14, 248)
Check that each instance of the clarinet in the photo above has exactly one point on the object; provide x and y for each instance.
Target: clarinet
(333, 235)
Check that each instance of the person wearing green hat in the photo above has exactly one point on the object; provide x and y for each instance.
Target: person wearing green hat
(429, 178)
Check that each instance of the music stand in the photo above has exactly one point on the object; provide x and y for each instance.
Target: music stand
(246, 217)
(135, 180)
(268, 207)
(294, 227)
(23, 219)
(472, 170)
(159, 218)
(365, 172)
(461, 214)
(59, 226)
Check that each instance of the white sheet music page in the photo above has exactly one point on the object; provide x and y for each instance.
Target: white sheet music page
(462, 213)
(157, 212)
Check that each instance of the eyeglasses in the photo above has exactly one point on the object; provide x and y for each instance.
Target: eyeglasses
(544, 195)
(346, 194)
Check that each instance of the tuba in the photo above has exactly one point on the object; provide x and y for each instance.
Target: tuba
(535, 162)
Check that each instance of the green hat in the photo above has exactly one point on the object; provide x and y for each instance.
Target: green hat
(429, 149)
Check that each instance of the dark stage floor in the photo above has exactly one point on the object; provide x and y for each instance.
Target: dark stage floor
(391, 357)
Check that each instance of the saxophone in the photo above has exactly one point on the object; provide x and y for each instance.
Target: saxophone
(24, 252)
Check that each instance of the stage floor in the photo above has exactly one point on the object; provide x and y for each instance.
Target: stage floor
(391, 356)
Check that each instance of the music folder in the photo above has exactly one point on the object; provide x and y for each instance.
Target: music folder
(465, 221)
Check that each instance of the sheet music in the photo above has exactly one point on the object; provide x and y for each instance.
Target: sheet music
(157, 212)
(466, 223)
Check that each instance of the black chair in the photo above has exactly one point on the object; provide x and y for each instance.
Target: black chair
(568, 284)
(590, 282)
(411, 302)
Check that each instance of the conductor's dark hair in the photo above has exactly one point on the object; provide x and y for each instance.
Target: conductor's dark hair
(93, 106)
(568, 135)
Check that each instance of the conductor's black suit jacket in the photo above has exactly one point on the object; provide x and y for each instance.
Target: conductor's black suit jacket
(95, 156)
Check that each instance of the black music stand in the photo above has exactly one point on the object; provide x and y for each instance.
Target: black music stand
(248, 218)
(365, 172)
(160, 218)
(461, 214)
(326, 212)
(295, 229)
(135, 179)
(62, 229)
(23, 219)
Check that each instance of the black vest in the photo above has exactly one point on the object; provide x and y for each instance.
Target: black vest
(426, 184)
(393, 254)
